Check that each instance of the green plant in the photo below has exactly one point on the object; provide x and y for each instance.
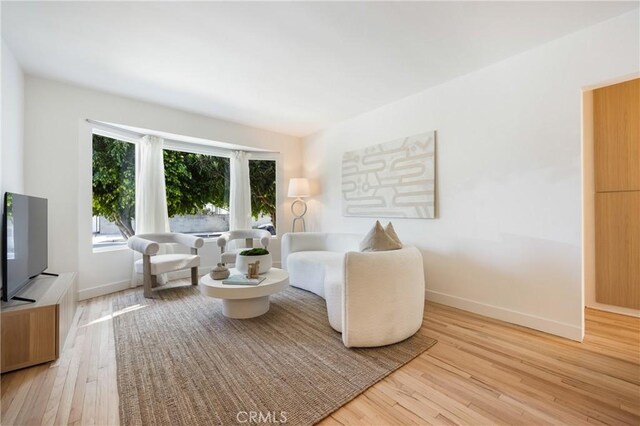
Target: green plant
(254, 252)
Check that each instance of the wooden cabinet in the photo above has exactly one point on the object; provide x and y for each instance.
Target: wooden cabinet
(618, 248)
(28, 337)
(33, 333)
(616, 133)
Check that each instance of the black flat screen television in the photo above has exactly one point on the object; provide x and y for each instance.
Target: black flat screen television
(24, 243)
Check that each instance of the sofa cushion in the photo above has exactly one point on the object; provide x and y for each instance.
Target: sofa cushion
(378, 240)
(308, 269)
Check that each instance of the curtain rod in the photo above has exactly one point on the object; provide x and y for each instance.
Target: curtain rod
(133, 133)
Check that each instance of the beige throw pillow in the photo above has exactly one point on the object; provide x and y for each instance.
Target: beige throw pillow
(392, 234)
(378, 240)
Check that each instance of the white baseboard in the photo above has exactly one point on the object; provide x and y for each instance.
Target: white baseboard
(557, 328)
(101, 290)
(614, 309)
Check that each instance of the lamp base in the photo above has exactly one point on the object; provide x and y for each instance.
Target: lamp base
(304, 225)
(297, 217)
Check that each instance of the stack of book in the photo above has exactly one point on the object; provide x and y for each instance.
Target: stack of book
(242, 280)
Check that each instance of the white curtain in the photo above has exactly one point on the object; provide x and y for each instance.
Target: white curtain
(240, 192)
(151, 197)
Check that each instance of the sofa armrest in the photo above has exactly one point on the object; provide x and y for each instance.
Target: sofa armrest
(383, 297)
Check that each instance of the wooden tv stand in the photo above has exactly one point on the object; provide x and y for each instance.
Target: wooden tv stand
(33, 333)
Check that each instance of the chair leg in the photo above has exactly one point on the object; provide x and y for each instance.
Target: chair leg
(148, 279)
(148, 292)
(194, 276)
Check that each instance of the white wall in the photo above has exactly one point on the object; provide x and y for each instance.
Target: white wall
(58, 155)
(507, 242)
(11, 148)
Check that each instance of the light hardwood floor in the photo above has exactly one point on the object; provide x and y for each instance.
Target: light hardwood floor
(481, 371)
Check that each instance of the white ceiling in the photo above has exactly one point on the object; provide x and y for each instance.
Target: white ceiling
(290, 67)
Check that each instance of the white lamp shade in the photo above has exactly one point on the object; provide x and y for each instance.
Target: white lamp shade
(299, 187)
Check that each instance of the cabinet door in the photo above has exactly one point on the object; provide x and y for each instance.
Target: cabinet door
(618, 248)
(29, 337)
(616, 136)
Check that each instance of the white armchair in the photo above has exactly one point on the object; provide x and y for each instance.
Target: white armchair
(153, 264)
(373, 298)
(229, 256)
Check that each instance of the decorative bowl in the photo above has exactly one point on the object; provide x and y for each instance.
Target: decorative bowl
(220, 272)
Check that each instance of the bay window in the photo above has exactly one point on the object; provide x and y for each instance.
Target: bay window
(197, 190)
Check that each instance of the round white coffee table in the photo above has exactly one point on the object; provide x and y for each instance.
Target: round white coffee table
(245, 301)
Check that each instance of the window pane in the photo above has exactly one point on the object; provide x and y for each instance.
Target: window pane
(114, 188)
(197, 192)
(262, 174)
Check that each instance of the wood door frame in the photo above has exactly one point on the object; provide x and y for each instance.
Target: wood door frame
(588, 201)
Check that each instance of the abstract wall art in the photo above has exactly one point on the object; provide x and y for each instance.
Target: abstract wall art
(392, 179)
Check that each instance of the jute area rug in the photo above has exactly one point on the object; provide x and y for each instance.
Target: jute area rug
(182, 362)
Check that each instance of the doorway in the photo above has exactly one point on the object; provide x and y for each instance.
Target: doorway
(611, 196)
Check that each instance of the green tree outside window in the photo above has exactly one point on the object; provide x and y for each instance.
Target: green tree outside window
(193, 182)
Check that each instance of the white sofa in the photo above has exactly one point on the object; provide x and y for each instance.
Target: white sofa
(373, 298)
